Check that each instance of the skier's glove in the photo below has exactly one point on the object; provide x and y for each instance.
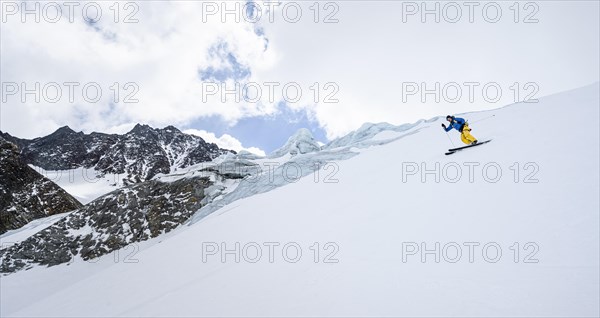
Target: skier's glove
(444, 125)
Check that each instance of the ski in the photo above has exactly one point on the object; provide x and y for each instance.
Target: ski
(453, 150)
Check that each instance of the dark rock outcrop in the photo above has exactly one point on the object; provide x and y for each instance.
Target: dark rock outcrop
(26, 195)
(132, 214)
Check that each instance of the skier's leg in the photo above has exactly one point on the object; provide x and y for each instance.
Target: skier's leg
(466, 136)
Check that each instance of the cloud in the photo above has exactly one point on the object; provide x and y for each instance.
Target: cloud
(370, 52)
(367, 54)
(225, 141)
(155, 62)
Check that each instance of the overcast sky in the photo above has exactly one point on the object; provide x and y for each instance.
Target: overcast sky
(368, 63)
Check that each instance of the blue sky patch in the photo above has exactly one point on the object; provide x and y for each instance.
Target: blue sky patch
(265, 132)
(232, 69)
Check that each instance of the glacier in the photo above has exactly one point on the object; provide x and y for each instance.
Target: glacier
(352, 209)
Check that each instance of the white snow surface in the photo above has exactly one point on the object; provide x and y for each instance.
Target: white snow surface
(84, 184)
(301, 142)
(362, 209)
(22, 233)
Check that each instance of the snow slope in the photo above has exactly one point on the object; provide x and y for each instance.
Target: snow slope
(374, 212)
(21, 234)
(84, 184)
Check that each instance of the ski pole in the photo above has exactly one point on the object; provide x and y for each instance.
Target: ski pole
(482, 119)
(450, 139)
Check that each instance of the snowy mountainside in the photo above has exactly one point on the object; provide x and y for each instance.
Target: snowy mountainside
(135, 156)
(131, 214)
(26, 195)
(364, 244)
(123, 216)
(85, 184)
(28, 230)
(299, 143)
(366, 135)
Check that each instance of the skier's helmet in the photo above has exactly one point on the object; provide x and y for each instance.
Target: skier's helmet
(449, 118)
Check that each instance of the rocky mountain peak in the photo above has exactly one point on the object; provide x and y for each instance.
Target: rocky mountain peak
(139, 155)
(141, 129)
(64, 132)
(171, 129)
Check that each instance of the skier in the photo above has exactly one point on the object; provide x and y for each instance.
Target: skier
(463, 127)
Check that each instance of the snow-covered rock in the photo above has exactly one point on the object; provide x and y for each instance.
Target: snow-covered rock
(137, 156)
(365, 135)
(299, 143)
(128, 215)
(26, 195)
